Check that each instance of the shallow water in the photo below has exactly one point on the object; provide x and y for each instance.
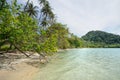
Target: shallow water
(83, 64)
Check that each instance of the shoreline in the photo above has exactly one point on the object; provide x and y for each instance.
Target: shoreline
(16, 66)
(20, 69)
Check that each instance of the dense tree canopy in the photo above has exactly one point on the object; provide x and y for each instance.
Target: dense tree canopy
(102, 39)
(100, 36)
(21, 29)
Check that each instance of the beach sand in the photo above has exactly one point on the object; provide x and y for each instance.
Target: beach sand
(22, 70)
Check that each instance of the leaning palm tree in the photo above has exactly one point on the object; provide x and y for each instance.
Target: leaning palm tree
(32, 10)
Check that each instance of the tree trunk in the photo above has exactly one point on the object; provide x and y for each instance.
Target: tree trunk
(21, 51)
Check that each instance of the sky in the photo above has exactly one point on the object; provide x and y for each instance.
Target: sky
(82, 16)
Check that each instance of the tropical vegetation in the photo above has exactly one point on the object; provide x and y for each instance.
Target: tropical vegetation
(27, 27)
(101, 39)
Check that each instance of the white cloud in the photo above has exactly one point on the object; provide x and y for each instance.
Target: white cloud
(82, 16)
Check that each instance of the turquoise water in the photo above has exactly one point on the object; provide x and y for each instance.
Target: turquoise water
(83, 64)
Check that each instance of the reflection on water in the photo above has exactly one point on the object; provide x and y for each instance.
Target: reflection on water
(83, 64)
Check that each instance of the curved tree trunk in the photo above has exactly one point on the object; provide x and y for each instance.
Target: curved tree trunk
(21, 51)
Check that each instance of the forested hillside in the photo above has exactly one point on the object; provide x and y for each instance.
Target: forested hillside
(102, 38)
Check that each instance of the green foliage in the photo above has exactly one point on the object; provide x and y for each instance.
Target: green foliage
(26, 31)
(75, 42)
(61, 34)
(20, 29)
(16, 29)
(3, 4)
(101, 39)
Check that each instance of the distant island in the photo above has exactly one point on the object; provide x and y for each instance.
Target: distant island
(101, 39)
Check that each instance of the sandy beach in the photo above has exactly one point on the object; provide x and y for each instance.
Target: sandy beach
(22, 69)
(23, 72)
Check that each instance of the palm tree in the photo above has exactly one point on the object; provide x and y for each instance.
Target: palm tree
(26, 4)
(51, 15)
(43, 2)
(32, 10)
(45, 8)
(46, 12)
(44, 23)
